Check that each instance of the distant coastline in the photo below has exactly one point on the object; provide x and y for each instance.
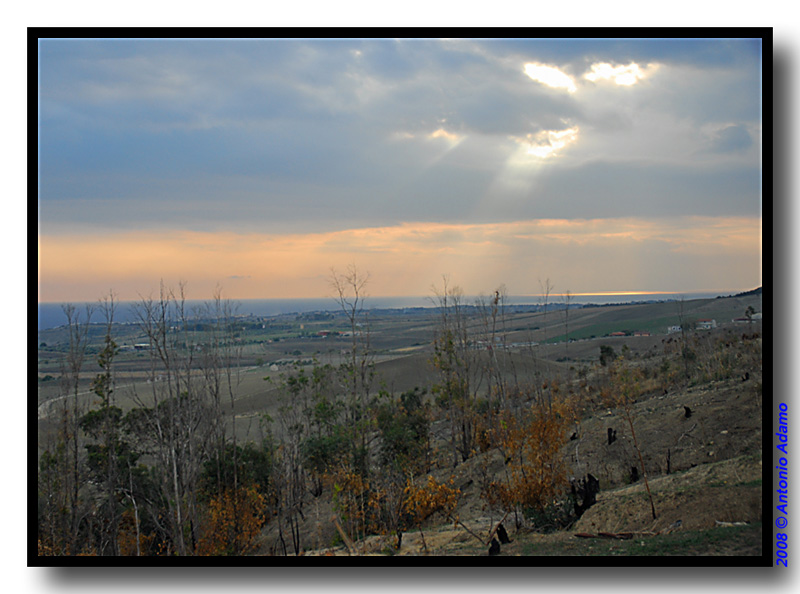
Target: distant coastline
(52, 316)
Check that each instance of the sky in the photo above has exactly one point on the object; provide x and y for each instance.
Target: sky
(603, 165)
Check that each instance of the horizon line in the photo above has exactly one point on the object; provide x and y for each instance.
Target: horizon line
(367, 297)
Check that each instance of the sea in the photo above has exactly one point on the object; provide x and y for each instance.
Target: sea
(51, 315)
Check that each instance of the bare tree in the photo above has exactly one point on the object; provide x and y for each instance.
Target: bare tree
(546, 289)
(103, 386)
(567, 299)
(178, 422)
(219, 363)
(686, 353)
(453, 359)
(626, 389)
(72, 365)
(492, 316)
(61, 469)
(349, 292)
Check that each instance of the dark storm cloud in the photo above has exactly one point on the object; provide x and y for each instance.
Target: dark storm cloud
(301, 134)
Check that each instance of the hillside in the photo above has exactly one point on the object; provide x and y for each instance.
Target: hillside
(705, 473)
(421, 445)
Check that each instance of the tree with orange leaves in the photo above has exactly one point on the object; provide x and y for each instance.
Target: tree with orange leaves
(535, 469)
(234, 521)
(424, 501)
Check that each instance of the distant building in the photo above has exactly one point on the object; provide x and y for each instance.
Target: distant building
(706, 324)
(756, 318)
(641, 333)
(618, 334)
(673, 329)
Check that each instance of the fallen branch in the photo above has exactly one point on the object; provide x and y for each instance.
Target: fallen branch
(491, 534)
(686, 434)
(460, 523)
(616, 535)
(726, 524)
(349, 543)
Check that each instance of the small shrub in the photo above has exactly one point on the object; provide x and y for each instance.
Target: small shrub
(559, 515)
(607, 354)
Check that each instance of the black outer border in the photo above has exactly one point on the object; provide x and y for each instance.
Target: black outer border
(104, 568)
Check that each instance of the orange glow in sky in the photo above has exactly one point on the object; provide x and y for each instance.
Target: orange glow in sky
(583, 256)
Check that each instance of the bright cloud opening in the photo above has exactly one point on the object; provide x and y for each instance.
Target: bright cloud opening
(550, 76)
(439, 134)
(621, 75)
(442, 133)
(548, 143)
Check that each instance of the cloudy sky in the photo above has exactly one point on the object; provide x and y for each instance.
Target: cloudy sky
(259, 165)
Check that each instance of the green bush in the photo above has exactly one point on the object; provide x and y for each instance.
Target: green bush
(253, 467)
(556, 516)
(607, 354)
(319, 452)
(404, 429)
